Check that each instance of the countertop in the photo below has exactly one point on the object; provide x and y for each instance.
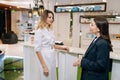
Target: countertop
(80, 51)
(12, 49)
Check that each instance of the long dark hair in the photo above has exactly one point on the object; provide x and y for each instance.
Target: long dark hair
(103, 26)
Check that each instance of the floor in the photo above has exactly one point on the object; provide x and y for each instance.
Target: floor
(12, 61)
(13, 69)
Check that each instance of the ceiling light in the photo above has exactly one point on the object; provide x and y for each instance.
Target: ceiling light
(38, 8)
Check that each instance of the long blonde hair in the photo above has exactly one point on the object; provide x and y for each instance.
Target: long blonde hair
(44, 16)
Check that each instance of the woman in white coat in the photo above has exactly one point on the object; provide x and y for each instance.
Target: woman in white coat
(44, 46)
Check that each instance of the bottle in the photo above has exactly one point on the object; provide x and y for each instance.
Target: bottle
(31, 39)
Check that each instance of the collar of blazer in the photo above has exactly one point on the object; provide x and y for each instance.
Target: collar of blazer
(92, 45)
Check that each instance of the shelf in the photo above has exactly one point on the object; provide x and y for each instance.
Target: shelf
(109, 22)
(112, 19)
(84, 7)
(92, 16)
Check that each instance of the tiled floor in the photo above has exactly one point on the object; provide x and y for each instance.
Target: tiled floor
(13, 69)
(11, 75)
(13, 62)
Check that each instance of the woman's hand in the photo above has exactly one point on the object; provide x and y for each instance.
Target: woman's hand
(65, 48)
(45, 70)
(61, 47)
(77, 62)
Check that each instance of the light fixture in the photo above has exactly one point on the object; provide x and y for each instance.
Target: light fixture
(30, 12)
(104, 0)
(38, 8)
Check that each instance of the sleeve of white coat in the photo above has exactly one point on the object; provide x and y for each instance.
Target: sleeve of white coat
(38, 40)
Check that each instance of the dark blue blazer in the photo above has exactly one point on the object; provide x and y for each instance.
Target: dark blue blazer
(95, 63)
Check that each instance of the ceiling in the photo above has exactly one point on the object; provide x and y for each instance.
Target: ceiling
(15, 4)
(10, 7)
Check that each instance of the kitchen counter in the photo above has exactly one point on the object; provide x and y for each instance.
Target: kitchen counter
(79, 51)
(64, 59)
(12, 49)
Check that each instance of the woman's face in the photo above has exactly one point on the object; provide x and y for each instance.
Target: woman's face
(49, 19)
(93, 28)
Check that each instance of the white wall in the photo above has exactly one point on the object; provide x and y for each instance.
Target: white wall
(113, 6)
(62, 23)
(17, 15)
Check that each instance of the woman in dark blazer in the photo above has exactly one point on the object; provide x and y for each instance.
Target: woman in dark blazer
(96, 60)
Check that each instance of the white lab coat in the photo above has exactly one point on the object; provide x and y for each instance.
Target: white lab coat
(44, 41)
